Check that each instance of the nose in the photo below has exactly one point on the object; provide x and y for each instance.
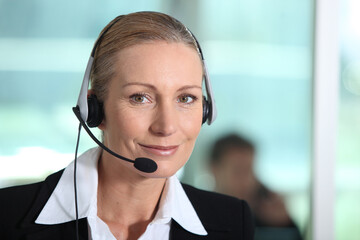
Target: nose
(165, 120)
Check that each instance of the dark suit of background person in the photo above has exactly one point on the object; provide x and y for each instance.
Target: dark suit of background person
(232, 160)
(223, 217)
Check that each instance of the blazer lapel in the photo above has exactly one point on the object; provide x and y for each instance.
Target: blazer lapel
(43, 195)
(54, 232)
(60, 231)
(214, 233)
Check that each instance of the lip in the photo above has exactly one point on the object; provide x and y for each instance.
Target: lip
(160, 150)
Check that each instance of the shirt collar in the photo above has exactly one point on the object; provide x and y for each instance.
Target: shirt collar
(175, 204)
(60, 207)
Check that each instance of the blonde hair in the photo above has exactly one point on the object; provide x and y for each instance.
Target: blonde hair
(128, 30)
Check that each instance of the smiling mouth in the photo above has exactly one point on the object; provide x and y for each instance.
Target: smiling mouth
(160, 150)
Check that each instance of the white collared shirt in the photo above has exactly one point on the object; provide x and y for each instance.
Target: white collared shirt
(60, 207)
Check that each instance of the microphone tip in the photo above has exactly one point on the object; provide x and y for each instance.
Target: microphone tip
(145, 165)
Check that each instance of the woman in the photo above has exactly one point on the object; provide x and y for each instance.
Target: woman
(147, 79)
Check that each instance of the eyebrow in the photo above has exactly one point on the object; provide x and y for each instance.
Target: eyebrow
(189, 86)
(154, 88)
(140, 83)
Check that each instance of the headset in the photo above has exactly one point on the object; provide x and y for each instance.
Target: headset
(90, 113)
(91, 110)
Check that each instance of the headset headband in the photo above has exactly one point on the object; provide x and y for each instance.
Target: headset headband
(82, 103)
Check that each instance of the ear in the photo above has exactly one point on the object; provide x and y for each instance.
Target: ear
(89, 92)
(102, 125)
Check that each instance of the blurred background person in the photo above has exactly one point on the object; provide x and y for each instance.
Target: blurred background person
(232, 164)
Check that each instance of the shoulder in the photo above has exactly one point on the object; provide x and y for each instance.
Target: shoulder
(218, 203)
(23, 193)
(221, 211)
(16, 202)
(212, 198)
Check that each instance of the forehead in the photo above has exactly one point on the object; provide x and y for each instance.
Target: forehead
(158, 61)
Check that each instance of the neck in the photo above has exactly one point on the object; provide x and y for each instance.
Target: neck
(126, 200)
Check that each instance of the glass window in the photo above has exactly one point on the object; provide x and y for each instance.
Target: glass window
(347, 208)
(259, 55)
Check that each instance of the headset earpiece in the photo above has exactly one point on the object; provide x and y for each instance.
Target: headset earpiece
(96, 111)
(91, 110)
(206, 110)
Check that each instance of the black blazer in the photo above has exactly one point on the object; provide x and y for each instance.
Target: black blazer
(223, 217)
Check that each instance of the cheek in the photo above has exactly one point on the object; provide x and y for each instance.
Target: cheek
(191, 123)
(188, 130)
(190, 127)
(123, 123)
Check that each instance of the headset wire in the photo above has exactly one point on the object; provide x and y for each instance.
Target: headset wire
(75, 186)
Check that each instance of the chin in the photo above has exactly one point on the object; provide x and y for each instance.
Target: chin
(167, 166)
(161, 172)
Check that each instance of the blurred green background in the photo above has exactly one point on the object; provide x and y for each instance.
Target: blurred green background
(260, 59)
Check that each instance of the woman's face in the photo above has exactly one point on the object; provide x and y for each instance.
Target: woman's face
(154, 106)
